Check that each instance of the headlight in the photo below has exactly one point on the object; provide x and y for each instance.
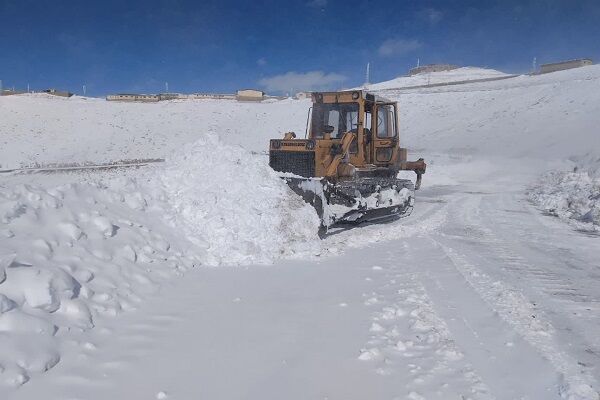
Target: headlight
(355, 95)
(310, 145)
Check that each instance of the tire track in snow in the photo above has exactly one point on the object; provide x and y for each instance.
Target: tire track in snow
(408, 337)
(491, 336)
(511, 304)
(559, 268)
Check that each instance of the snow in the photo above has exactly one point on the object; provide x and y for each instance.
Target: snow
(106, 290)
(62, 269)
(235, 207)
(88, 249)
(101, 131)
(432, 78)
(572, 195)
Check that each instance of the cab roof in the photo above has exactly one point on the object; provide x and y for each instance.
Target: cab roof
(347, 96)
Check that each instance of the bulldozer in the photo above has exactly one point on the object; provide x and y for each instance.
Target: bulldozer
(348, 162)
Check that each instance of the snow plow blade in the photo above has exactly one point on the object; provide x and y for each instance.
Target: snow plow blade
(356, 201)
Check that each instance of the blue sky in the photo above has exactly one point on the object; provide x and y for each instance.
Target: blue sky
(220, 46)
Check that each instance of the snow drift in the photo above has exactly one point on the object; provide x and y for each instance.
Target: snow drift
(74, 253)
(234, 207)
(573, 195)
(69, 255)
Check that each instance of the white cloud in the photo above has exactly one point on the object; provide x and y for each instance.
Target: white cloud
(317, 3)
(296, 81)
(398, 47)
(261, 61)
(432, 15)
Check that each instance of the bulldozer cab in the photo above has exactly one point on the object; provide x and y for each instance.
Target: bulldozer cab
(373, 123)
(348, 133)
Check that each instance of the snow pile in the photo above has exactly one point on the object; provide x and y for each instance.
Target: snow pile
(77, 252)
(69, 255)
(234, 207)
(572, 195)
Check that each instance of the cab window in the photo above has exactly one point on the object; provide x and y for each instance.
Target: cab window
(338, 118)
(386, 121)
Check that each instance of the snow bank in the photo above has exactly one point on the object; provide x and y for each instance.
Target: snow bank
(69, 255)
(74, 253)
(234, 207)
(573, 195)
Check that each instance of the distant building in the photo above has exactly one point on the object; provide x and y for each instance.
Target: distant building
(560, 66)
(10, 92)
(145, 98)
(198, 96)
(168, 96)
(431, 68)
(152, 98)
(56, 92)
(250, 95)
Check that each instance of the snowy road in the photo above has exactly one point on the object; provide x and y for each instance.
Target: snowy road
(498, 301)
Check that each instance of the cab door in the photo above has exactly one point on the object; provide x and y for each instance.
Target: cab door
(385, 137)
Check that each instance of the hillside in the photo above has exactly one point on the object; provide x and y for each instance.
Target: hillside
(47, 129)
(524, 116)
(433, 78)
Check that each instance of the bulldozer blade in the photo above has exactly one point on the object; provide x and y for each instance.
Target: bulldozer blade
(353, 202)
(312, 190)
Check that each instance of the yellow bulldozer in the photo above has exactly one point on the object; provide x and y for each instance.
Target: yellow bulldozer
(347, 165)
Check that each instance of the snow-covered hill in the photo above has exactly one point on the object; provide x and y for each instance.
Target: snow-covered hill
(519, 117)
(434, 78)
(48, 129)
(543, 116)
